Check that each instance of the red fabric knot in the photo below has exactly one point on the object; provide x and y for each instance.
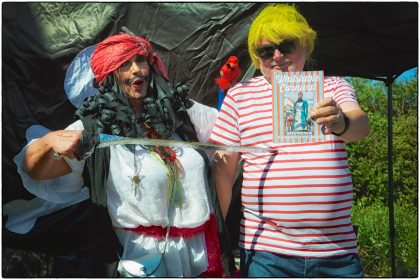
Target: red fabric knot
(112, 52)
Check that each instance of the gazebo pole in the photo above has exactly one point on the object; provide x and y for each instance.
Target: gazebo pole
(389, 83)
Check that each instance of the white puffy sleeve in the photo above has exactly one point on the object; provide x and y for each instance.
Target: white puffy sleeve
(58, 190)
(203, 118)
(50, 195)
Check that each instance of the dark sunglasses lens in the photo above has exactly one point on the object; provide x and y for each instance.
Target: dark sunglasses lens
(286, 47)
(266, 52)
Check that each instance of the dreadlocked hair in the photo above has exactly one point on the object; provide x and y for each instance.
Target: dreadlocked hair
(157, 106)
(111, 110)
(115, 115)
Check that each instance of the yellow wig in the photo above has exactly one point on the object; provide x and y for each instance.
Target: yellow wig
(277, 23)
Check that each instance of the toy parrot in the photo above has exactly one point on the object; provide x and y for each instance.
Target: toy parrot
(229, 74)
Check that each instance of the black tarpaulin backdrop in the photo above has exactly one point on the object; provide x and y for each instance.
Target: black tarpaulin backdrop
(39, 41)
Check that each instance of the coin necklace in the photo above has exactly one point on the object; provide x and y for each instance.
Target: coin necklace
(136, 179)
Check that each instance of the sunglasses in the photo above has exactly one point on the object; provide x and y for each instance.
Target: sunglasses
(267, 52)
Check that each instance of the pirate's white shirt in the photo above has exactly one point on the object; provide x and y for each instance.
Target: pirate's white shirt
(137, 203)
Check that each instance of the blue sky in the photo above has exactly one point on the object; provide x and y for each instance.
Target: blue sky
(409, 74)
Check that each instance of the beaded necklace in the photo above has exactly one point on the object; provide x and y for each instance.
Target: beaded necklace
(167, 157)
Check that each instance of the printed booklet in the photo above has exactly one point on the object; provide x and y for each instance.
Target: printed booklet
(295, 94)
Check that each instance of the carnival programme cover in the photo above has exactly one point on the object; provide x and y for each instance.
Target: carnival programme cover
(295, 94)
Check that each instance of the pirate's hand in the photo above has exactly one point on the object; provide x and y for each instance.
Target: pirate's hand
(329, 114)
(42, 158)
(64, 142)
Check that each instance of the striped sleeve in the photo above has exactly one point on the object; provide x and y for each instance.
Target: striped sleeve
(340, 90)
(226, 129)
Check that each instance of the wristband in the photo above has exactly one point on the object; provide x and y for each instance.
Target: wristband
(346, 126)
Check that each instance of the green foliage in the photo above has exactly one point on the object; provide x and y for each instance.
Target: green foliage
(405, 99)
(368, 161)
(372, 220)
(368, 158)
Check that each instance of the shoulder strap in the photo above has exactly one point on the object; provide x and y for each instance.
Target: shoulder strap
(96, 169)
(89, 124)
(104, 255)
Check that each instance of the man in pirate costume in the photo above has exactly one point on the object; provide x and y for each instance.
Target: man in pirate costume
(158, 198)
(300, 114)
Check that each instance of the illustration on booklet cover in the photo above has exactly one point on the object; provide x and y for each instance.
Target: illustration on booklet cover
(295, 94)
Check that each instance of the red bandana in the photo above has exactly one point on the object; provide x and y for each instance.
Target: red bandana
(117, 49)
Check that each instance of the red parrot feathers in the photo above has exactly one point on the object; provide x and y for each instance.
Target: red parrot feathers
(229, 73)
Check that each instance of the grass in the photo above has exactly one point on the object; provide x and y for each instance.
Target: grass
(373, 237)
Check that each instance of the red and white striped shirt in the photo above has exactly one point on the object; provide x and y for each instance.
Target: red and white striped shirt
(296, 202)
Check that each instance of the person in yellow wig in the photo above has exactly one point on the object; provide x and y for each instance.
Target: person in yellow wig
(297, 200)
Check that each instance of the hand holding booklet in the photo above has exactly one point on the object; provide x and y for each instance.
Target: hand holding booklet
(295, 94)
